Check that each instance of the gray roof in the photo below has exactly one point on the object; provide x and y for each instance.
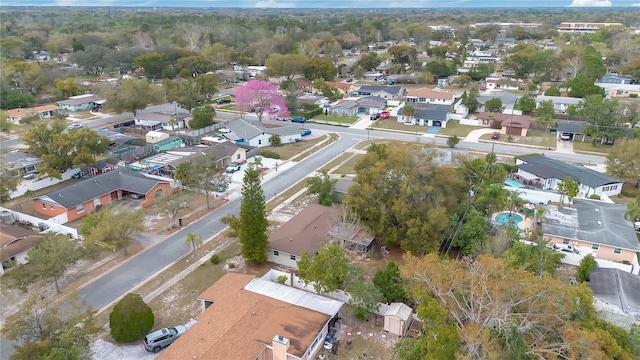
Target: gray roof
(372, 102)
(86, 190)
(438, 113)
(592, 221)
(571, 127)
(559, 99)
(393, 90)
(78, 100)
(616, 287)
(506, 97)
(246, 130)
(548, 168)
(19, 160)
(294, 296)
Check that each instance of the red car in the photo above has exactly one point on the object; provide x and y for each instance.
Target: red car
(495, 135)
(384, 115)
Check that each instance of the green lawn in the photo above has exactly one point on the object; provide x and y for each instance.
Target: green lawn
(338, 119)
(454, 128)
(349, 167)
(394, 125)
(587, 146)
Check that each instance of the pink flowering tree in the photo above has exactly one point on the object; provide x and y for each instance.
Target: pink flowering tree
(263, 97)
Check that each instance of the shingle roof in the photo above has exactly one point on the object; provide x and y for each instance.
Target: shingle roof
(548, 168)
(516, 121)
(240, 323)
(15, 240)
(616, 287)
(393, 90)
(438, 113)
(372, 102)
(249, 131)
(345, 104)
(558, 99)
(14, 113)
(571, 127)
(592, 221)
(305, 232)
(430, 94)
(86, 190)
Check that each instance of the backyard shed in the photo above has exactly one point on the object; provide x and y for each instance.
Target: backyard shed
(153, 137)
(397, 319)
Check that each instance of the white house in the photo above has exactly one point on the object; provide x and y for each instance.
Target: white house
(560, 103)
(258, 136)
(429, 96)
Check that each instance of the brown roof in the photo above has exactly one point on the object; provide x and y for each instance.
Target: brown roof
(15, 113)
(15, 240)
(305, 232)
(430, 94)
(240, 324)
(515, 121)
(339, 85)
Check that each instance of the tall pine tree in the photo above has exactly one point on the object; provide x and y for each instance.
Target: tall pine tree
(253, 219)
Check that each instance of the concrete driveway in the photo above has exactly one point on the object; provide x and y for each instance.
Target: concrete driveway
(474, 135)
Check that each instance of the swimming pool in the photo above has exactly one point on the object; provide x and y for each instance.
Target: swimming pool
(513, 183)
(503, 218)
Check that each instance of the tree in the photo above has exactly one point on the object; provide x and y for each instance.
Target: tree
(132, 95)
(605, 117)
(319, 68)
(552, 91)
(492, 198)
(389, 282)
(364, 296)
(48, 260)
(509, 313)
(494, 105)
(115, 228)
(202, 116)
(622, 161)
(253, 219)
(322, 185)
(69, 87)
(173, 205)
(44, 330)
(408, 110)
(8, 182)
(537, 259)
(527, 103)
(288, 65)
(568, 188)
(5, 124)
(60, 149)
(262, 97)
(327, 270)
(193, 241)
(545, 112)
(185, 92)
(633, 209)
(153, 65)
(587, 264)
(368, 61)
(193, 66)
(582, 86)
(207, 85)
(395, 192)
(275, 140)
(130, 319)
(402, 54)
(471, 100)
(452, 141)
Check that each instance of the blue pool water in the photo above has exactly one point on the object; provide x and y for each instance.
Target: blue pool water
(513, 183)
(503, 218)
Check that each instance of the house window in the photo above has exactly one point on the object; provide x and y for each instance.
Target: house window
(44, 206)
(96, 202)
(276, 253)
(293, 257)
(259, 142)
(51, 207)
(617, 250)
(595, 247)
(79, 208)
(565, 241)
(238, 157)
(485, 122)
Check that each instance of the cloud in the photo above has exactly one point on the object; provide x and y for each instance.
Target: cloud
(590, 3)
(274, 4)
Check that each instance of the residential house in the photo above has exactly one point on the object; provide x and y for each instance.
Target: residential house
(256, 135)
(353, 238)
(586, 27)
(618, 86)
(499, 83)
(303, 84)
(84, 197)
(371, 104)
(247, 318)
(148, 125)
(480, 57)
(341, 188)
(545, 173)
(437, 115)
(508, 99)
(510, 124)
(573, 128)
(423, 96)
(442, 82)
(593, 227)
(81, 103)
(615, 80)
(560, 103)
(312, 99)
(343, 88)
(20, 162)
(162, 120)
(225, 153)
(102, 166)
(15, 241)
(44, 111)
(344, 107)
(616, 288)
(387, 92)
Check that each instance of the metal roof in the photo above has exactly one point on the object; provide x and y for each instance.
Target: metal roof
(294, 296)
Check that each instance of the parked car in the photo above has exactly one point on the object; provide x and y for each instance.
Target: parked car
(565, 136)
(298, 119)
(156, 340)
(375, 116)
(385, 115)
(495, 135)
(305, 132)
(137, 196)
(223, 101)
(224, 130)
(77, 175)
(233, 167)
(636, 225)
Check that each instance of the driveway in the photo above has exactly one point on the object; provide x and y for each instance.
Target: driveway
(565, 146)
(474, 135)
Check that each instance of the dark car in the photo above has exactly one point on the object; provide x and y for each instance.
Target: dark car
(495, 135)
(298, 119)
(375, 116)
(223, 101)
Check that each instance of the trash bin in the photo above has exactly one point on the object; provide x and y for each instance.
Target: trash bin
(180, 221)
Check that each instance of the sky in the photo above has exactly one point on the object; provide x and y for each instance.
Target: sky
(364, 4)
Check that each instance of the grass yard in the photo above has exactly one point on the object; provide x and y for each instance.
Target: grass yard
(349, 167)
(287, 151)
(394, 125)
(536, 137)
(588, 147)
(335, 119)
(454, 128)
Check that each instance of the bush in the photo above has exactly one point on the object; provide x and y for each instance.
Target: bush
(231, 265)
(269, 154)
(594, 197)
(215, 259)
(131, 319)
(634, 96)
(360, 313)
(453, 141)
(587, 264)
(282, 279)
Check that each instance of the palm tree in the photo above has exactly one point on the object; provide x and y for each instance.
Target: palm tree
(513, 199)
(539, 217)
(408, 111)
(633, 209)
(172, 122)
(495, 196)
(193, 241)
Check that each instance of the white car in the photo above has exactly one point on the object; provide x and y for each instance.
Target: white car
(233, 167)
(636, 225)
(565, 136)
(224, 130)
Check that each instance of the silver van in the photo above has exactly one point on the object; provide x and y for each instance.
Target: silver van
(164, 337)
